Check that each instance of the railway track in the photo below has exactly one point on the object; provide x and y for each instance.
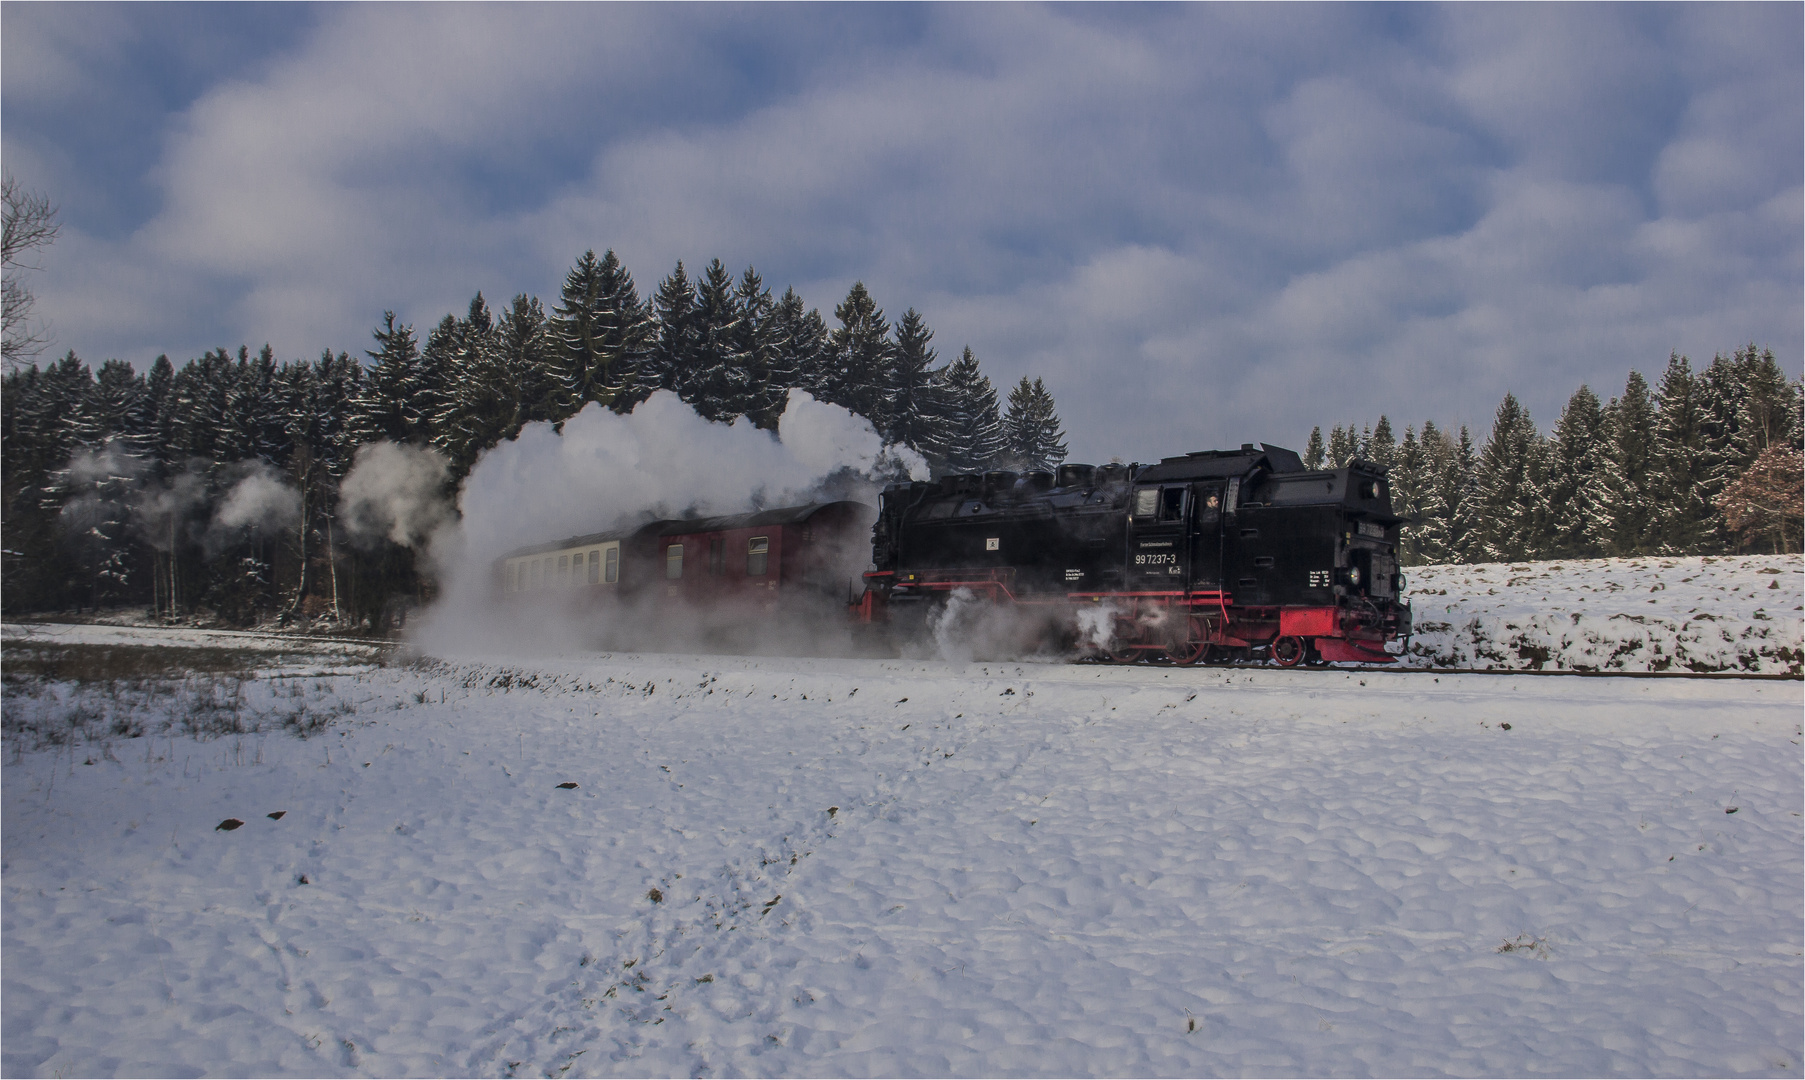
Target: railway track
(1256, 665)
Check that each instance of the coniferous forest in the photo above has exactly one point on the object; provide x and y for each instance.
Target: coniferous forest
(212, 490)
(178, 488)
(1706, 463)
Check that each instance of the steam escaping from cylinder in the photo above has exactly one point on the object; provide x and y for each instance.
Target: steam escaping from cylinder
(1096, 628)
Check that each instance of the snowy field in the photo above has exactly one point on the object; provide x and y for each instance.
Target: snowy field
(1700, 614)
(687, 865)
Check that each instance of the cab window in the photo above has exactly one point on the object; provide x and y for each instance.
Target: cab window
(1146, 502)
(1172, 504)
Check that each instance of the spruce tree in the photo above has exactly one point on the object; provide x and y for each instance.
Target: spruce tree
(121, 405)
(1458, 488)
(713, 384)
(916, 393)
(158, 425)
(1577, 454)
(1620, 493)
(762, 383)
(525, 368)
(1506, 490)
(1683, 518)
(1411, 485)
(1341, 447)
(603, 336)
(1033, 441)
(800, 352)
(1382, 446)
(1769, 413)
(1315, 456)
(475, 403)
(397, 396)
(970, 439)
(674, 347)
(863, 356)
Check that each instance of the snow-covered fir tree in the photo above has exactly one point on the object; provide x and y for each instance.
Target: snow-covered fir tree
(1683, 516)
(917, 403)
(863, 355)
(1315, 456)
(1507, 494)
(969, 437)
(1620, 491)
(1577, 455)
(603, 335)
(1033, 440)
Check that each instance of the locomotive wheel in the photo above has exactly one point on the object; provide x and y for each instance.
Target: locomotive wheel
(1198, 653)
(1290, 651)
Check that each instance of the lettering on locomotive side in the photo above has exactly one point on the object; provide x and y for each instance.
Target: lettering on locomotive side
(1377, 532)
(1319, 579)
(992, 543)
(1074, 575)
(1156, 543)
(1155, 559)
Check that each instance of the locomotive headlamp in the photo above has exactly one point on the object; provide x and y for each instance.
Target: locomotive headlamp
(1353, 575)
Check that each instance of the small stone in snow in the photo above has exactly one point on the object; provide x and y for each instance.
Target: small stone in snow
(568, 785)
(227, 825)
(1731, 809)
(832, 810)
(1505, 726)
(277, 816)
(655, 896)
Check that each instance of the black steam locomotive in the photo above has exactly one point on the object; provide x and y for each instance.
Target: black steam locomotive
(1218, 554)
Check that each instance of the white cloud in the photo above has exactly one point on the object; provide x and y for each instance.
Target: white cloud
(1200, 225)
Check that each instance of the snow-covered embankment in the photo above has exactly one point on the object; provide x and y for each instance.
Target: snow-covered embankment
(1703, 614)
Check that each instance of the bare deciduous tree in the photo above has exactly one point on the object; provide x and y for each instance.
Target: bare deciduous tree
(30, 224)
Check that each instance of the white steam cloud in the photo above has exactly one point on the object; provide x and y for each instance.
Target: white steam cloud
(160, 510)
(605, 470)
(396, 492)
(260, 499)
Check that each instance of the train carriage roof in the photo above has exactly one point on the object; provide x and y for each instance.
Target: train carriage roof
(786, 515)
(780, 516)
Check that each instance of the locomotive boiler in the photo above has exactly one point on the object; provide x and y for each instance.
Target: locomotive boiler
(1236, 554)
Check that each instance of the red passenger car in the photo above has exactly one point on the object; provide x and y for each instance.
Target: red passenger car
(716, 574)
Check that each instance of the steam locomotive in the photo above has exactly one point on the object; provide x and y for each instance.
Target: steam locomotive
(1230, 554)
(1216, 555)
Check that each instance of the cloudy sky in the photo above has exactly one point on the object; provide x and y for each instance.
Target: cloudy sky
(1201, 225)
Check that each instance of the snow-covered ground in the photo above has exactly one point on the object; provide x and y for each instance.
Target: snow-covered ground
(817, 867)
(1740, 614)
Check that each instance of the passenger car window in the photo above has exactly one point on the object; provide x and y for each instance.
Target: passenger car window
(758, 554)
(673, 561)
(595, 567)
(612, 573)
(717, 555)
